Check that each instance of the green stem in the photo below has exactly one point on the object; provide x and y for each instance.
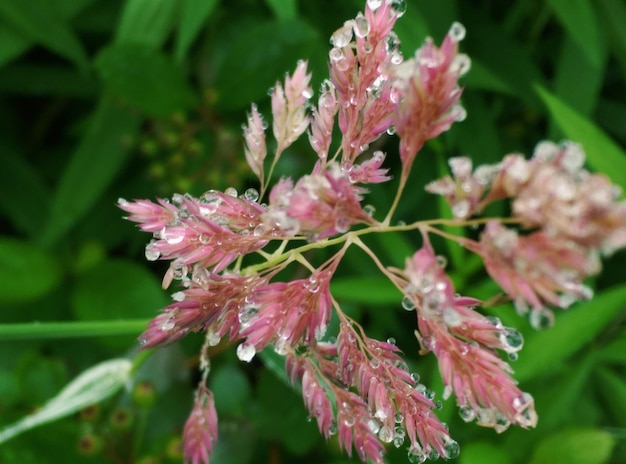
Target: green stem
(70, 329)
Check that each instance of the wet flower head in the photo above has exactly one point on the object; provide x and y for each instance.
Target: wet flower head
(231, 253)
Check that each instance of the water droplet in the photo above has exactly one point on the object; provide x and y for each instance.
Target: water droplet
(213, 338)
(369, 210)
(451, 317)
(385, 434)
(391, 130)
(342, 36)
(380, 414)
(245, 352)
(348, 420)
(178, 296)
(398, 440)
(246, 315)
(461, 64)
(415, 377)
(332, 428)
(231, 192)
(374, 363)
(342, 224)
(168, 323)
(151, 253)
(373, 425)
(281, 346)
(457, 32)
(467, 413)
(399, 6)
(374, 4)
(251, 194)
(391, 341)
(361, 26)
(307, 93)
(398, 417)
(416, 455)
(511, 339)
(459, 113)
(541, 318)
(407, 304)
(451, 449)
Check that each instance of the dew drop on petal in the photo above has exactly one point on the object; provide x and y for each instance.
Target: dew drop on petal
(245, 352)
(407, 304)
(385, 434)
(151, 254)
(467, 413)
(251, 194)
(451, 449)
(361, 26)
(399, 6)
(457, 32)
(168, 324)
(373, 425)
(231, 192)
(374, 4)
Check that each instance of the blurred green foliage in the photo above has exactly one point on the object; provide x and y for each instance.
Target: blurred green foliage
(101, 99)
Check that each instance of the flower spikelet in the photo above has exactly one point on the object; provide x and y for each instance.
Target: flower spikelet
(200, 432)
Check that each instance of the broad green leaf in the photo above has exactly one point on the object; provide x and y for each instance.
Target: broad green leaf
(232, 390)
(59, 81)
(26, 272)
(572, 330)
(23, 195)
(575, 446)
(258, 56)
(282, 416)
(12, 44)
(97, 160)
(92, 386)
(70, 329)
(371, 290)
(613, 18)
(117, 290)
(481, 77)
(615, 352)
(145, 78)
(613, 388)
(483, 453)
(578, 80)
(193, 16)
(41, 22)
(603, 154)
(284, 10)
(146, 22)
(579, 19)
(412, 29)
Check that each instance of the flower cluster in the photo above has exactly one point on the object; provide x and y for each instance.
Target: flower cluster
(228, 252)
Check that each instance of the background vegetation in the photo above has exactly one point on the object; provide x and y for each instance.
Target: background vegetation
(101, 99)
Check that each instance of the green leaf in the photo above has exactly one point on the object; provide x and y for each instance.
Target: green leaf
(578, 80)
(603, 154)
(613, 18)
(283, 9)
(145, 78)
(12, 44)
(26, 272)
(232, 390)
(545, 350)
(613, 389)
(146, 22)
(578, 17)
(70, 329)
(575, 446)
(117, 290)
(23, 195)
(92, 386)
(396, 247)
(194, 14)
(370, 290)
(94, 165)
(483, 453)
(282, 416)
(41, 22)
(257, 56)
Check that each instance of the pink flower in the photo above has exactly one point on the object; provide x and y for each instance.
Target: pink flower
(289, 106)
(362, 51)
(464, 343)
(255, 148)
(430, 93)
(288, 314)
(369, 171)
(323, 121)
(535, 270)
(200, 432)
(319, 205)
